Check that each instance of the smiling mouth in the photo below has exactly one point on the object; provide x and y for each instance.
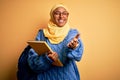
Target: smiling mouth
(60, 21)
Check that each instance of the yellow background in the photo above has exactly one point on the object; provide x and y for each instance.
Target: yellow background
(97, 20)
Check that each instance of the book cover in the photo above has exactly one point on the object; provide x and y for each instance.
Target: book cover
(41, 47)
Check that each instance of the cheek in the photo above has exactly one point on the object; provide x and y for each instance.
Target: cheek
(66, 17)
(55, 18)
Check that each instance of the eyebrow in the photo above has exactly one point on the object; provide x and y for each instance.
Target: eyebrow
(59, 11)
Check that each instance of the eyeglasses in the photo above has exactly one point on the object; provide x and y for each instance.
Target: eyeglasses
(63, 13)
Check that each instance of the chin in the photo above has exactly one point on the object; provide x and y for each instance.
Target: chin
(60, 25)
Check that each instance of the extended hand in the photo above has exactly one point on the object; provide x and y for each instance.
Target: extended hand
(74, 42)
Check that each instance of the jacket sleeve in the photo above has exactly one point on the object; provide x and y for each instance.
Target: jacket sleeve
(39, 63)
(76, 54)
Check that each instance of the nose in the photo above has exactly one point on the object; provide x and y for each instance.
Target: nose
(61, 15)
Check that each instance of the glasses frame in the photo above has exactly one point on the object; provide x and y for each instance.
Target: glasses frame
(58, 13)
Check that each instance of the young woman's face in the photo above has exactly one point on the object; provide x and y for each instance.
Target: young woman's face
(60, 16)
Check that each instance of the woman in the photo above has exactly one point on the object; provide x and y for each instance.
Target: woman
(66, 46)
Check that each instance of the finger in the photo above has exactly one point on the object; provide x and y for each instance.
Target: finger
(68, 44)
(49, 52)
(75, 40)
(71, 45)
(77, 36)
(54, 54)
(51, 57)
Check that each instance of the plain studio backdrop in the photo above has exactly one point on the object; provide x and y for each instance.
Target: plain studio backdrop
(97, 20)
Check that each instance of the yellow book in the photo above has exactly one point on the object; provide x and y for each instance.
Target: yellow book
(42, 47)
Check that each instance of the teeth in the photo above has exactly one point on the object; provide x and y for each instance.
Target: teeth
(61, 21)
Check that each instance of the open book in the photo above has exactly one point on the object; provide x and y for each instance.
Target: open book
(41, 47)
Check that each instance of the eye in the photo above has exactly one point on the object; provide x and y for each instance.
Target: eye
(56, 13)
(59, 13)
(65, 13)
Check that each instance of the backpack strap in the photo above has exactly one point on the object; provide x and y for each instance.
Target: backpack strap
(24, 72)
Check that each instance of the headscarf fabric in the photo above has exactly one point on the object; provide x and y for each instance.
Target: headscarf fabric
(54, 33)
